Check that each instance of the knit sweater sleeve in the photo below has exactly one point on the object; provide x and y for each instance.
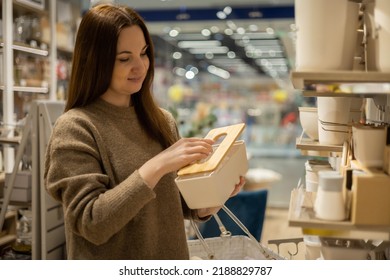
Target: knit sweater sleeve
(74, 175)
(187, 212)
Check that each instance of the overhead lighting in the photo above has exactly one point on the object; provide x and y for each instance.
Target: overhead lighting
(188, 36)
(177, 55)
(231, 54)
(192, 44)
(173, 33)
(228, 32)
(256, 35)
(218, 72)
(221, 15)
(268, 42)
(206, 32)
(214, 50)
(190, 75)
(227, 10)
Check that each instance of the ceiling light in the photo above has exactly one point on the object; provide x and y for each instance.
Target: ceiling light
(205, 32)
(192, 44)
(228, 32)
(227, 10)
(241, 30)
(177, 55)
(253, 27)
(214, 50)
(270, 30)
(179, 71)
(209, 55)
(194, 69)
(231, 54)
(214, 29)
(221, 15)
(173, 33)
(256, 35)
(218, 72)
(190, 75)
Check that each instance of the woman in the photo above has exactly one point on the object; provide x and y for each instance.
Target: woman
(112, 156)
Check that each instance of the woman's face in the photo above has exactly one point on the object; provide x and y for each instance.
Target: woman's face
(130, 68)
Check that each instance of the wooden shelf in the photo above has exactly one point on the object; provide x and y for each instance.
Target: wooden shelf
(374, 82)
(8, 233)
(10, 140)
(310, 147)
(301, 214)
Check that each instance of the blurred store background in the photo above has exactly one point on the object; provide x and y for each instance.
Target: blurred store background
(218, 62)
(223, 62)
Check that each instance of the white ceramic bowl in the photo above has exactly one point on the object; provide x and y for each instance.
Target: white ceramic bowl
(343, 249)
(308, 117)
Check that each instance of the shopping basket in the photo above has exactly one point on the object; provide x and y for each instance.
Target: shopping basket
(227, 246)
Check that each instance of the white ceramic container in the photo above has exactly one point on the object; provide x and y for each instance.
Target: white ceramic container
(333, 119)
(308, 118)
(326, 34)
(213, 189)
(382, 22)
(329, 203)
(369, 144)
(312, 167)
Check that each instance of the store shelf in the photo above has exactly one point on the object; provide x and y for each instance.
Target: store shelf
(8, 233)
(10, 140)
(358, 83)
(310, 147)
(28, 49)
(43, 90)
(301, 214)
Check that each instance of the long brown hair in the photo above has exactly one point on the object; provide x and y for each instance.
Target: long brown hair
(93, 64)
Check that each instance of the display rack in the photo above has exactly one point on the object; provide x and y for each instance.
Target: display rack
(301, 214)
(306, 80)
(48, 234)
(374, 85)
(310, 147)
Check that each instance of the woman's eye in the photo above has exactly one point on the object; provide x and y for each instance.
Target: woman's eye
(123, 59)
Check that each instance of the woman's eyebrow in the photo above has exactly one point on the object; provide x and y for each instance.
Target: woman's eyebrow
(129, 52)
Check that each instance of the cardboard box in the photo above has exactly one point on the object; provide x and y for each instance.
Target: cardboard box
(370, 199)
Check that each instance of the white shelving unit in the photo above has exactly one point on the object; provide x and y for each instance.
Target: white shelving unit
(48, 239)
(376, 85)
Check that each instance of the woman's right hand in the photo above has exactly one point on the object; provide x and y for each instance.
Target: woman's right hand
(184, 152)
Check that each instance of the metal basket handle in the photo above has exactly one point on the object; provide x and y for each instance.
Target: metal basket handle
(225, 233)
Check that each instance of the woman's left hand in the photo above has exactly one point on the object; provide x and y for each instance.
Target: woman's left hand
(204, 212)
(238, 186)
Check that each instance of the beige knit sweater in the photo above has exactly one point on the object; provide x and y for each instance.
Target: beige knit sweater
(91, 167)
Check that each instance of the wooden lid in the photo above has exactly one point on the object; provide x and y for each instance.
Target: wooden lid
(231, 133)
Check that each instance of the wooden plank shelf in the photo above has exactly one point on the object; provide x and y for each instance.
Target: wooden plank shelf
(375, 83)
(301, 214)
(310, 147)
